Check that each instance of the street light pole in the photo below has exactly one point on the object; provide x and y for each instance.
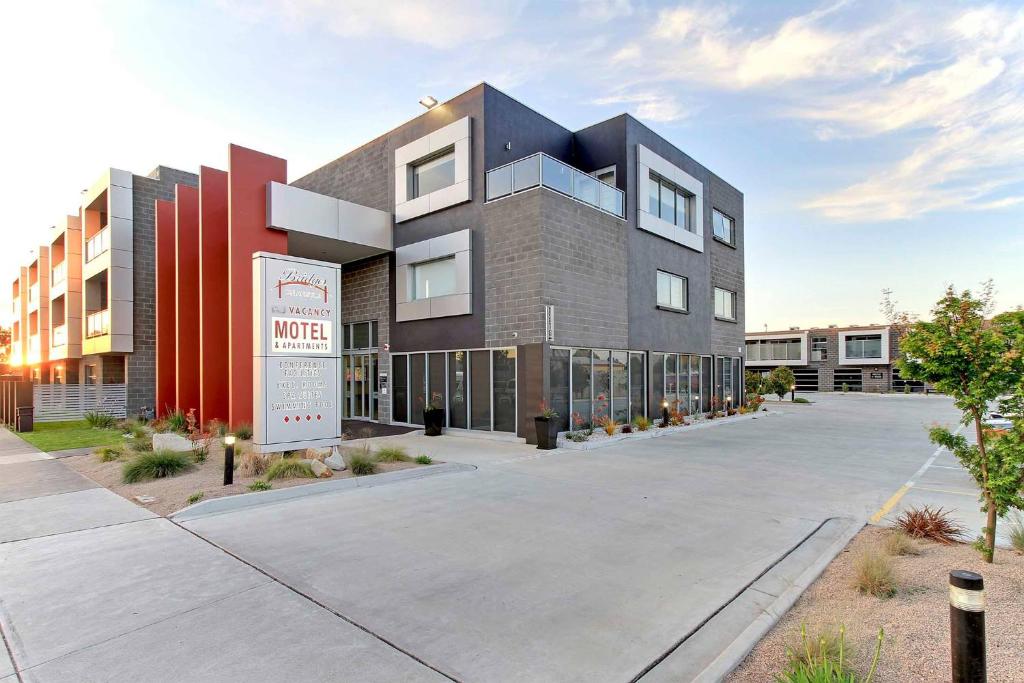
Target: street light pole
(229, 459)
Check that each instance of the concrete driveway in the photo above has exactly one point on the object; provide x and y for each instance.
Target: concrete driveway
(555, 566)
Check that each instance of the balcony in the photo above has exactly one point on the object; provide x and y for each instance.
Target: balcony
(97, 324)
(16, 306)
(59, 273)
(33, 294)
(15, 353)
(541, 170)
(97, 244)
(33, 348)
(60, 336)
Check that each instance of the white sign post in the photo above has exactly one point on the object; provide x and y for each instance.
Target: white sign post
(296, 353)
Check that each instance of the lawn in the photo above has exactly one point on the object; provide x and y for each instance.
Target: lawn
(59, 436)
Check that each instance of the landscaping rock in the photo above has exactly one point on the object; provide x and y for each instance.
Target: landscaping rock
(171, 442)
(319, 454)
(335, 461)
(321, 470)
(145, 500)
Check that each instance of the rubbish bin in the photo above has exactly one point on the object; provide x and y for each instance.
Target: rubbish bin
(24, 423)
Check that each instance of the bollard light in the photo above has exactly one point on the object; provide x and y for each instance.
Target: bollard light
(664, 413)
(229, 459)
(792, 393)
(967, 626)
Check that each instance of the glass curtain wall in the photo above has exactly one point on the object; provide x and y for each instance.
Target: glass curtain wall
(678, 379)
(588, 385)
(560, 386)
(458, 377)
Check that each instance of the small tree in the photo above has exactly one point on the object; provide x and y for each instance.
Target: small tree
(972, 360)
(754, 382)
(781, 380)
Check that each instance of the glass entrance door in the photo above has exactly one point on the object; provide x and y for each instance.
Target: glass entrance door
(360, 380)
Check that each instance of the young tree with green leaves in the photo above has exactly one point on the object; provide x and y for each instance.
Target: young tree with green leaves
(781, 381)
(971, 359)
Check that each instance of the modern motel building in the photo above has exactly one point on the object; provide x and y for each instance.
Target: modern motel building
(492, 261)
(858, 357)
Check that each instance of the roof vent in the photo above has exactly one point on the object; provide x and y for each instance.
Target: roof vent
(793, 328)
(833, 326)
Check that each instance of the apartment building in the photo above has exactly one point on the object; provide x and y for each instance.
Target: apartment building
(857, 357)
(492, 260)
(83, 305)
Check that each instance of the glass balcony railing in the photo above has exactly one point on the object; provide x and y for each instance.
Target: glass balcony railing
(97, 244)
(33, 293)
(60, 336)
(97, 324)
(541, 170)
(33, 346)
(59, 273)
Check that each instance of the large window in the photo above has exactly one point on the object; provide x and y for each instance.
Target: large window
(432, 279)
(672, 291)
(864, 346)
(433, 174)
(723, 226)
(773, 349)
(725, 304)
(601, 383)
(359, 335)
(670, 203)
(677, 379)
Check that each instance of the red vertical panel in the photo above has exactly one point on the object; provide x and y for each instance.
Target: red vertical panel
(186, 250)
(249, 172)
(213, 287)
(166, 342)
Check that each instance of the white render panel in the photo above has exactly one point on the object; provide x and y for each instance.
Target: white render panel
(454, 131)
(462, 160)
(449, 196)
(119, 203)
(453, 304)
(412, 208)
(412, 310)
(651, 223)
(120, 284)
(402, 284)
(648, 161)
(882, 332)
(458, 244)
(446, 245)
(97, 265)
(464, 271)
(292, 208)
(121, 317)
(456, 134)
(412, 253)
(121, 178)
(401, 184)
(417, 149)
(364, 225)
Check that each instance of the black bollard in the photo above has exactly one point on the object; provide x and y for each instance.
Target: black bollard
(967, 626)
(229, 460)
(664, 413)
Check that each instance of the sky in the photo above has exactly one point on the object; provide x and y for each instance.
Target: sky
(879, 145)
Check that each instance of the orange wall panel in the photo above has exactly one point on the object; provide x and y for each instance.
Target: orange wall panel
(186, 251)
(166, 303)
(213, 287)
(248, 174)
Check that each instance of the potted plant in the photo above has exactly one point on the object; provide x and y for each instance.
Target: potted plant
(547, 428)
(433, 415)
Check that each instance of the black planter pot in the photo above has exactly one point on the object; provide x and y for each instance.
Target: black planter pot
(433, 421)
(547, 433)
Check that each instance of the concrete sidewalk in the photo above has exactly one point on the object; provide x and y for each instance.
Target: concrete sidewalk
(94, 588)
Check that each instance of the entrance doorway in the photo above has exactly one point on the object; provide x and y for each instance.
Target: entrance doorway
(359, 376)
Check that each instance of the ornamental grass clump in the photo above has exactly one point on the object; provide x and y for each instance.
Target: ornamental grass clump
(642, 423)
(244, 431)
(609, 425)
(260, 485)
(874, 574)
(1017, 533)
(289, 468)
(155, 465)
(392, 454)
(897, 543)
(825, 661)
(109, 453)
(360, 462)
(931, 523)
(424, 459)
(98, 420)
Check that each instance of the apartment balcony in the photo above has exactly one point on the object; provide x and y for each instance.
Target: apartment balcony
(34, 349)
(59, 336)
(541, 170)
(97, 324)
(16, 306)
(98, 244)
(59, 274)
(33, 296)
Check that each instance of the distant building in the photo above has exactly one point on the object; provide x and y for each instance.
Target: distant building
(859, 357)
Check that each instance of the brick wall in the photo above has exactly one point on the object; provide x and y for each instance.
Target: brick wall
(141, 363)
(364, 296)
(363, 176)
(727, 269)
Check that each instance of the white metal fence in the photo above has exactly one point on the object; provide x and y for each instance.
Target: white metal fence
(56, 402)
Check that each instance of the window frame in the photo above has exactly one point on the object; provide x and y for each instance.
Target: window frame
(411, 282)
(685, 293)
(731, 241)
(732, 304)
(664, 184)
(413, 185)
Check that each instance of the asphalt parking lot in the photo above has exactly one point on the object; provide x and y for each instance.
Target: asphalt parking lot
(550, 566)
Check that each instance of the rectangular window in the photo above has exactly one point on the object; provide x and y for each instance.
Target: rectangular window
(433, 174)
(725, 304)
(480, 389)
(560, 386)
(432, 279)
(637, 386)
(400, 388)
(90, 374)
(457, 384)
(620, 386)
(581, 397)
(658, 378)
(723, 226)
(417, 387)
(670, 203)
(505, 390)
(672, 291)
(864, 346)
(819, 348)
(602, 383)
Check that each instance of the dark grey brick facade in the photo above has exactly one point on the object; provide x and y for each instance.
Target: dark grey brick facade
(364, 296)
(140, 373)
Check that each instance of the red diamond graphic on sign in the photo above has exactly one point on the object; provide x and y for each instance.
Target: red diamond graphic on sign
(285, 418)
(318, 417)
(308, 418)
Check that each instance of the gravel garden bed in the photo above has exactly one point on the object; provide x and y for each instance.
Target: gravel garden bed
(599, 439)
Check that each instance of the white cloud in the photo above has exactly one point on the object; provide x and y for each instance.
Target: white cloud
(604, 10)
(650, 106)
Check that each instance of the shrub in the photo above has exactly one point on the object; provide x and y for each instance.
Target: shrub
(199, 452)
(100, 420)
(1017, 533)
(846, 387)
(642, 423)
(141, 445)
(874, 574)
(800, 399)
(931, 523)
(159, 426)
(627, 428)
(244, 431)
(195, 498)
(424, 459)
(361, 462)
(289, 468)
(260, 485)
(177, 422)
(108, 453)
(138, 430)
(155, 465)
(579, 436)
(392, 454)
(217, 428)
(825, 661)
(898, 543)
